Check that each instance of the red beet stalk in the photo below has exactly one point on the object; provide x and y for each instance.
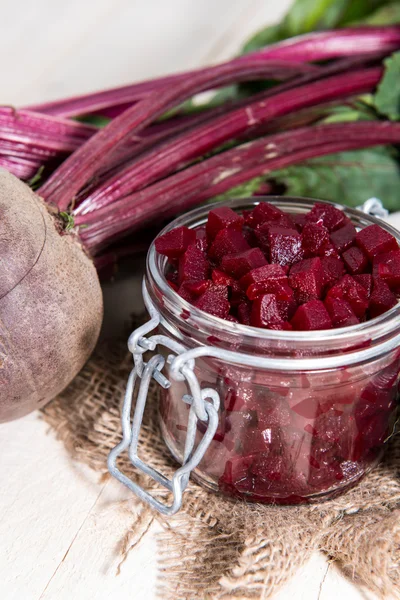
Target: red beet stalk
(312, 47)
(220, 173)
(165, 160)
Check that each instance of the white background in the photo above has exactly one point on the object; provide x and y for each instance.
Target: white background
(59, 527)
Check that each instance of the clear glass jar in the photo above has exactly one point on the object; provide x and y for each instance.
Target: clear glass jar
(307, 423)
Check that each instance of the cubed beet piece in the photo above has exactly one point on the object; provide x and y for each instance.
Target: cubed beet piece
(287, 308)
(387, 267)
(190, 290)
(262, 274)
(340, 312)
(267, 440)
(193, 265)
(314, 238)
(332, 270)
(373, 240)
(220, 218)
(381, 299)
(266, 213)
(306, 280)
(215, 301)
(273, 412)
(227, 241)
(351, 291)
(237, 474)
(284, 245)
(244, 312)
(344, 237)
(236, 294)
(311, 316)
(221, 278)
(366, 281)
(356, 262)
(331, 426)
(280, 289)
(308, 408)
(269, 467)
(238, 265)
(331, 217)
(300, 220)
(174, 243)
(265, 313)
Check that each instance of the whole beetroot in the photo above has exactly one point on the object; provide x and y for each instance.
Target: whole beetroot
(50, 302)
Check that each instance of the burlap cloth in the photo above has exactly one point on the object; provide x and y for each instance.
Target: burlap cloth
(219, 548)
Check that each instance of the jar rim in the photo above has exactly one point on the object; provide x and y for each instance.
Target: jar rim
(382, 326)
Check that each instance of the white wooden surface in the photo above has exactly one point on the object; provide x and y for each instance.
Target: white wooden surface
(59, 527)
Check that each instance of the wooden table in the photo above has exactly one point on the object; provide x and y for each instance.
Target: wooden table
(60, 527)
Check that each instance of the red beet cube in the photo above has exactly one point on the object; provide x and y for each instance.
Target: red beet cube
(266, 440)
(387, 267)
(300, 220)
(273, 413)
(221, 278)
(355, 261)
(244, 312)
(344, 237)
(227, 241)
(331, 217)
(262, 274)
(315, 237)
(332, 270)
(237, 474)
(306, 280)
(193, 265)
(311, 316)
(280, 289)
(269, 467)
(215, 301)
(340, 312)
(236, 295)
(374, 240)
(220, 218)
(265, 313)
(381, 299)
(308, 408)
(238, 265)
(284, 245)
(190, 290)
(174, 243)
(267, 213)
(366, 281)
(287, 308)
(352, 292)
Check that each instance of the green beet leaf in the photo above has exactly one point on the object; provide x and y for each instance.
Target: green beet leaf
(387, 97)
(347, 177)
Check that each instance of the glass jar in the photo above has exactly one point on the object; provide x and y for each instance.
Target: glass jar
(309, 417)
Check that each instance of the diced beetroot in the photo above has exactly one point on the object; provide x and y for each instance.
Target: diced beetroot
(387, 267)
(306, 280)
(331, 426)
(236, 295)
(227, 241)
(314, 238)
(374, 240)
(250, 236)
(201, 238)
(280, 289)
(366, 281)
(266, 213)
(352, 292)
(332, 270)
(344, 237)
(186, 292)
(308, 408)
(174, 243)
(340, 312)
(232, 319)
(262, 274)
(173, 286)
(215, 301)
(236, 473)
(381, 299)
(311, 316)
(238, 265)
(221, 278)
(269, 467)
(265, 313)
(325, 477)
(355, 261)
(273, 413)
(220, 218)
(197, 288)
(256, 440)
(375, 429)
(193, 265)
(244, 312)
(331, 217)
(222, 429)
(287, 308)
(284, 245)
(300, 220)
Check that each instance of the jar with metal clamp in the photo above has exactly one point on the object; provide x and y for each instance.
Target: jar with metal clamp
(282, 417)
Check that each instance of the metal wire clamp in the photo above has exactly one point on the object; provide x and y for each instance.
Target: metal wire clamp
(204, 406)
